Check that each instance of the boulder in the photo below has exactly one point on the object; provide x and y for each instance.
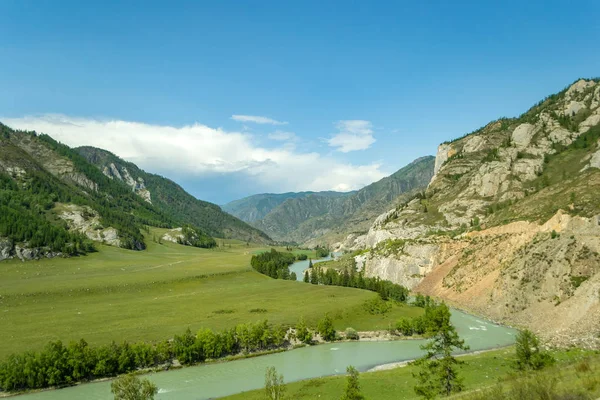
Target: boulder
(6, 247)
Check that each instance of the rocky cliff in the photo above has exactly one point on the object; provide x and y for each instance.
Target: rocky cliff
(509, 225)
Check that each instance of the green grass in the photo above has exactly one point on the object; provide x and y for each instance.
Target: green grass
(480, 371)
(119, 294)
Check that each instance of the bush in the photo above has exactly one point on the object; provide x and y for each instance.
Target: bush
(130, 387)
(302, 332)
(377, 306)
(351, 334)
(405, 327)
(326, 329)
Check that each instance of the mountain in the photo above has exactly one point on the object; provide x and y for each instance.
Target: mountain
(53, 202)
(509, 226)
(171, 199)
(321, 216)
(256, 207)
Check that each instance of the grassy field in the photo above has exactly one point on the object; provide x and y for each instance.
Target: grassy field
(480, 371)
(118, 294)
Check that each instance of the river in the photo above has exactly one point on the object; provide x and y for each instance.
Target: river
(300, 266)
(221, 379)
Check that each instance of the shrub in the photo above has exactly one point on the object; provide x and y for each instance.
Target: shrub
(326, 329)
(377, 306)
(351, 334)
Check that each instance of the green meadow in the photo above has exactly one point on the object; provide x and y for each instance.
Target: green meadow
(576, 371)
(117, 294)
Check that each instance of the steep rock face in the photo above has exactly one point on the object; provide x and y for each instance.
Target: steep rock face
(407, 266)
(525, 275)
(509, 224)
(136, 185)
(60, 167)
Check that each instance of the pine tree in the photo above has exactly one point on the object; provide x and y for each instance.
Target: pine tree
(438, 375)
(529, 355)
(306, 277)
(352, 386)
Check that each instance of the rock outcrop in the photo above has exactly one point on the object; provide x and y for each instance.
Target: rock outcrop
(136, 185)
(488, 234)
(87, 221)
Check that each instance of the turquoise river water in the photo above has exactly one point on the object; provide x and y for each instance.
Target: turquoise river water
(221, 379)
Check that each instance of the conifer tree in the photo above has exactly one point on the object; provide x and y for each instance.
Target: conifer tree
(352, 391)
(438, 374)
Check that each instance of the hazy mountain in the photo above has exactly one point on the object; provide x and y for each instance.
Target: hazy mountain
(256, 207)
(300, 217)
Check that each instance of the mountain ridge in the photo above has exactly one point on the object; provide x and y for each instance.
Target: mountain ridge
(53, 202)
(171, 198)
(509, 224)
(311, 217)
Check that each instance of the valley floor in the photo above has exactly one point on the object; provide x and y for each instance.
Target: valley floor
(481, 372)
(123, 295)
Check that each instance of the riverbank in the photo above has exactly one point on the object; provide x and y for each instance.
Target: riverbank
(482, 370)
(389, 366)
(206, 381)
(364, 336)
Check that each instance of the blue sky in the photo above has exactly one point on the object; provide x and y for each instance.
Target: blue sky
(236, 98)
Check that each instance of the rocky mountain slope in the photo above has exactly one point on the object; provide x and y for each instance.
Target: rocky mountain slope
(509, 226)
(53, 202)
(314, 218)
(256, 207)
(171, 199)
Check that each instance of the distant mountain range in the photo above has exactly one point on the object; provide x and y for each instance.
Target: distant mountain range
(313, 216)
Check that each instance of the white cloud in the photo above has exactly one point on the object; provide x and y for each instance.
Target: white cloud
(199, 150)
(257, 119)
(353, 135)
(282, 136)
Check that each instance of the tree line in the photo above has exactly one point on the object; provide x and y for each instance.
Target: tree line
(350, 278)
(61, 365)
(274, 264)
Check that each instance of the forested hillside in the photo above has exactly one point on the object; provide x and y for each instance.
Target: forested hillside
(170, 198)
(53, 202)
